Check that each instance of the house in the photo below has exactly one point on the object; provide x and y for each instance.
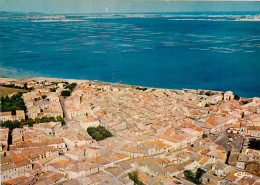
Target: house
(72, 112)
(104, 178)
(48, 128)
(250, 128)
(190, 165)
(115, 171)
(232, 176)
(219, 169)
(20, 115)
(73, 139)
(48, 177)
(234, 129)
(15, 166)
(206, 178)
(4, 135)
(147, 179)
(5, 116)
(41, 103)
(228, 95)
(154, 147)
(242, 160)
(76, 169)
(253, 119)
(77, 154)
(206, 160)
(252, 131)
(87, 121)
(15, 170)
(33, 112)
(19, 84)
(220, 122)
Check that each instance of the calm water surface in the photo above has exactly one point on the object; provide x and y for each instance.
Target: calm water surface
(198, 51)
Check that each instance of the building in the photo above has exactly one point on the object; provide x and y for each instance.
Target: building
(7, 116)
(228, 95)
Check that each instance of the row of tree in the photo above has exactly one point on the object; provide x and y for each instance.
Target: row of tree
(19, 124)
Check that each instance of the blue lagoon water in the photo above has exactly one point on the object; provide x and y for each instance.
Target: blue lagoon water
(195, 50)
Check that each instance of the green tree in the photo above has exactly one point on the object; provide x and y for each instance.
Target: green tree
(199, 173)
(65, 93)
(236, 97)
(245, 102)
(189, 175)
(195, 178)
(243, 114)
(133, 176)
(12, 104)
(98, 133)
(91, 130)
(209, 93)
(18, 124)
(25, 86)
(60, 119)
(97, 136)
(53, 89)
(71, 86)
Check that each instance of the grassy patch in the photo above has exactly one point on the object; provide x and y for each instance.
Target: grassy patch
(4, 91)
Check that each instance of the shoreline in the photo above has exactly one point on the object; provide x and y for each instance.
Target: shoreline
(96, 82)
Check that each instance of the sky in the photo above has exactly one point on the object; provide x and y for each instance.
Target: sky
(117, 6)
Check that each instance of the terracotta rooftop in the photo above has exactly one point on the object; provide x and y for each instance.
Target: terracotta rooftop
(5, 113)
(204, 151)
(19, 112)
(204, 160)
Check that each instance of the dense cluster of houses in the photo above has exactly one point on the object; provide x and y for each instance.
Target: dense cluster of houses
(158, 133)
(42, 103)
